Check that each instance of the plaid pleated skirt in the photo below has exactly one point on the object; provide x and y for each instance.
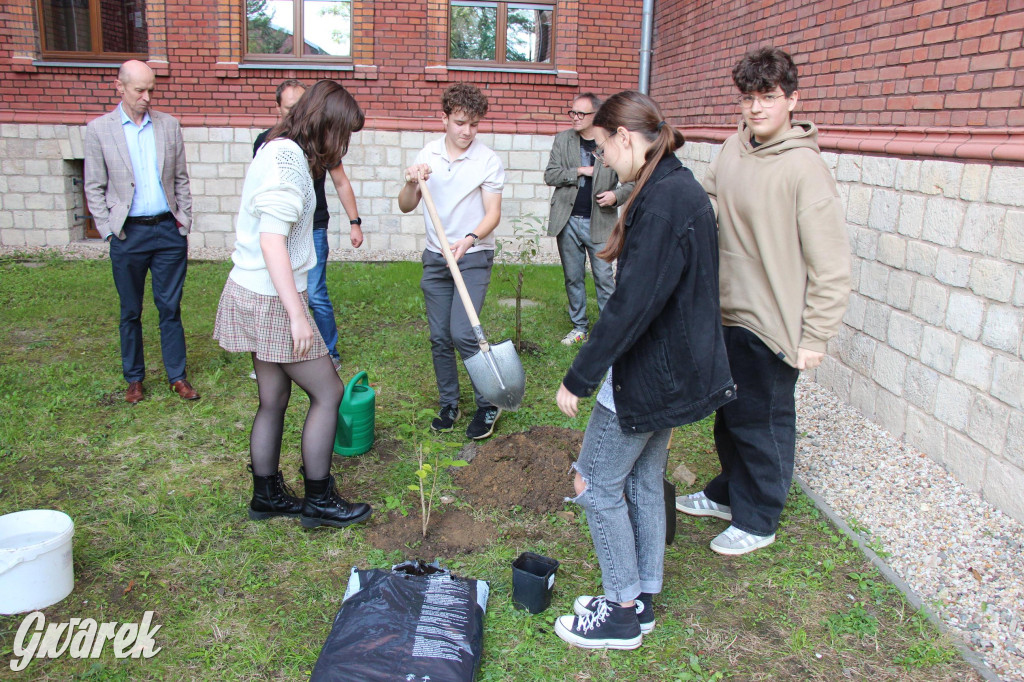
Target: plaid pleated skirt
(248, 322)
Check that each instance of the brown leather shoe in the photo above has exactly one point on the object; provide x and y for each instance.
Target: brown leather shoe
(185, 390)
(134, 393)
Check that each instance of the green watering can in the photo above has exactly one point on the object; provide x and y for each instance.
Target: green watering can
(355, 418)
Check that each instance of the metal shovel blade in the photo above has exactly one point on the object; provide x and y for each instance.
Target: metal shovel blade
(498, 375)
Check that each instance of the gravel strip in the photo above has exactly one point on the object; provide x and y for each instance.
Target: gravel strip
(88, 249)
(961, 555)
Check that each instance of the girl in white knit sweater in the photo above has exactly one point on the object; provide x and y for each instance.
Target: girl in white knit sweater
(263, 309)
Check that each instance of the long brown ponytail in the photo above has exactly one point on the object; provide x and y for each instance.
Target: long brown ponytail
(637, 113)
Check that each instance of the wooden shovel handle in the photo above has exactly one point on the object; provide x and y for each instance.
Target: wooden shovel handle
(453, 265)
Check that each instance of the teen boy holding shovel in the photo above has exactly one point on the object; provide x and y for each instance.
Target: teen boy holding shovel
(465, 179)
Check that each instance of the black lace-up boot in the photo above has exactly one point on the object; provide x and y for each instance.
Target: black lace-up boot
(271, 497)
(323, 505)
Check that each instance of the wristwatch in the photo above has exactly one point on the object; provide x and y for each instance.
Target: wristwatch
(356, 221)
(476, 240)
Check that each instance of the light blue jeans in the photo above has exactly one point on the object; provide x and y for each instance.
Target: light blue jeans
(625, 504)
(319, 300)
(574, 247)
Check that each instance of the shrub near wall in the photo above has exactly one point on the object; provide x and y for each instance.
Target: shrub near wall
(931, 347)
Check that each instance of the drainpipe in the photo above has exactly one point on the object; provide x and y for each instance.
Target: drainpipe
(646, 31)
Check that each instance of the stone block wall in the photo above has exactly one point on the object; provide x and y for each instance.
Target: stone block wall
(931, 347)
(39, 201)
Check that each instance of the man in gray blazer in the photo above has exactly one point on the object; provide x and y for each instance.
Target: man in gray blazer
(583, 211)
(136, 184)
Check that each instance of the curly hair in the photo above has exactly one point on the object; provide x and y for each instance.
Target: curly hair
(464, 97)
(762, 69)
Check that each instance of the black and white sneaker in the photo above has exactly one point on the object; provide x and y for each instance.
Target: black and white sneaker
(609, 626)
(483, 422)
(587, 605)
(446, 418)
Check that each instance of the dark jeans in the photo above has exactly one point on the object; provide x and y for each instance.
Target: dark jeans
(447, 319)
(160, 250)
(755, 435)
(319, 300)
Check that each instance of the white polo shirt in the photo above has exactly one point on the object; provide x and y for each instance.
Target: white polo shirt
(456, 188)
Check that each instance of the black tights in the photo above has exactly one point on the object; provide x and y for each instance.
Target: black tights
(325, 390)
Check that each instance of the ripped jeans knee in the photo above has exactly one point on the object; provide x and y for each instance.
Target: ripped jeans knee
(579, 486)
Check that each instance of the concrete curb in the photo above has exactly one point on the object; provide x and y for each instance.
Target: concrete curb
(968, 654)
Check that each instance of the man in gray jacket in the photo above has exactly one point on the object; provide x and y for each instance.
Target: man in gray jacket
(136, 183)
(583, 211)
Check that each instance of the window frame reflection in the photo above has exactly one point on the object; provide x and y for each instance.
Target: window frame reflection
(505, 47)
(88, 41)
(300, 23)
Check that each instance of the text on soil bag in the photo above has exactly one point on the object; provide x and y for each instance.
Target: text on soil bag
(442, 615)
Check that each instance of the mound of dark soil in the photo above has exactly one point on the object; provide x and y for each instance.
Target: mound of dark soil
(529, 469)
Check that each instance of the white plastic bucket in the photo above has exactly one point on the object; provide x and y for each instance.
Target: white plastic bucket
(35, 559)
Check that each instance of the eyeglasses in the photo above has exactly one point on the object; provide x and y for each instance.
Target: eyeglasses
(766, 101)
(599, 152)
(580, 114)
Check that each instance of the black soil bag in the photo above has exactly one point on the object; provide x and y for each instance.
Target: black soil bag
(415, 622)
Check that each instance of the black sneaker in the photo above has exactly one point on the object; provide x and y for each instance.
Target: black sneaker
(586, 605)
(609, 626)
(446, 418)
(483, 422)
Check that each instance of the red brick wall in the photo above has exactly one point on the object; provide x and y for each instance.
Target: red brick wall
(200, 39)
(929, 63)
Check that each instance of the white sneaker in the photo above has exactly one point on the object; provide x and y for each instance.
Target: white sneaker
(734, 542)
(698, 504)
(575, 336)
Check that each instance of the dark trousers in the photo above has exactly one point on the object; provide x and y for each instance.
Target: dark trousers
(160, 250)
(447, 319)
(755, 435)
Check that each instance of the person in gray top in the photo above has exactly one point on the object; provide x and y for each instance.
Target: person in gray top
(583, 211)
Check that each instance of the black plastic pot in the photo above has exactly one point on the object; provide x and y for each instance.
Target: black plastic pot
(533, 581)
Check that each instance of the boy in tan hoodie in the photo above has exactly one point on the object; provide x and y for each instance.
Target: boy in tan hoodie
(784, 280)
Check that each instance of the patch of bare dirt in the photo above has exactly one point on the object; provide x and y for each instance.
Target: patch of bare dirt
(529, 469)
(452, 531)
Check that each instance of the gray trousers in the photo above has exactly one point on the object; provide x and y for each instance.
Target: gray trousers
(446, 316)
(574, 246)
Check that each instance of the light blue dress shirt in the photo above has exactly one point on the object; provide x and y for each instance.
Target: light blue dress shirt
(149, 196)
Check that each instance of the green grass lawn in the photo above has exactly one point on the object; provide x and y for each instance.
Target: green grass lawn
(158, 493)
